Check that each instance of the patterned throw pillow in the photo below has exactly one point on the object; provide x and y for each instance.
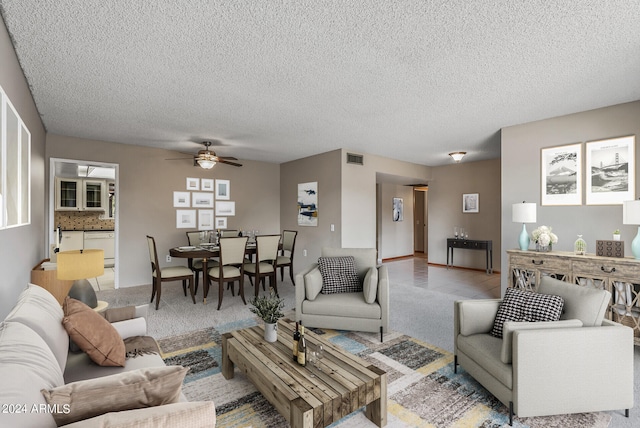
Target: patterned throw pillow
(339, 275)
(521, 305)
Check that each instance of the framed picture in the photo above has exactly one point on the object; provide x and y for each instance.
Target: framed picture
(181, 199)
(398, 209)
(225, 208)
(611, 164)
(308, 204)
(206, 184)
(221, 222)
(193, 183)
(205, 220)
(186, 219)
(561, 175)
(470, 203)
(202, 200)
(223, 189)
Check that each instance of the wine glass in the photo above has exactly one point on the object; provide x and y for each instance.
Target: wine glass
(311, 359)
(318, 357)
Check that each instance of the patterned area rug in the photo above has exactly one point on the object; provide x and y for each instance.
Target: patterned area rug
(422, 390)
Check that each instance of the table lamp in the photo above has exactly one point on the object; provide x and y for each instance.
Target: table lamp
(78, 265)
(524, 213)
(631, 215)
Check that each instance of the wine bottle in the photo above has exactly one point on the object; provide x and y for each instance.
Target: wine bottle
(296, 339)
(302, 348)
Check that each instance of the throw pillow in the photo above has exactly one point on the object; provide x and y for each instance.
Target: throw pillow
(521, 305)
(370, 285)
(135, 389)
(339, 275)
(312, 284)
(93, 334)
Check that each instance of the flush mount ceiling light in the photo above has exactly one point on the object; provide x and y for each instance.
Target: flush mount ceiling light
(457, 156)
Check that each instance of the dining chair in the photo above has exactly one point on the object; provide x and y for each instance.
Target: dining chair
(230, 267)
(265, 264)
(167, 274)
(285, 259)
(228, 233)
(196, 238)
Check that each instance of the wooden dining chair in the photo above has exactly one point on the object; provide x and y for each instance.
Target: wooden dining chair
(167, 274)
(285, 259)
(195, 238)
(228, 233)
(265, 264)
(230, 267)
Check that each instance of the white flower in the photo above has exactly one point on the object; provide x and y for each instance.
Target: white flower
(543, 236)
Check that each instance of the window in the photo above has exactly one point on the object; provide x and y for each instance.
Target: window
(15, 162)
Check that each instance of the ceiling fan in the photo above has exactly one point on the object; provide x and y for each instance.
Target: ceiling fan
(207, 158)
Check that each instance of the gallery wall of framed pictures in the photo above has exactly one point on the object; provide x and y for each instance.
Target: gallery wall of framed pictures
(195, 207)
(608, 174)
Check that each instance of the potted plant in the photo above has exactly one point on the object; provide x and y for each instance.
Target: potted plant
(616, 235)
(269, 308)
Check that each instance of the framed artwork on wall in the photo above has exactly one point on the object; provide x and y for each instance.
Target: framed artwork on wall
(193, 183)
(207, 184)
(202, 200)
(470, 203)
(561, 175)
(223, 189)
(308, 204)
(221, 222)
(181, 199)
(205, 220)
(225, 208)
(398, 209)
(186, 219)
(611, 165)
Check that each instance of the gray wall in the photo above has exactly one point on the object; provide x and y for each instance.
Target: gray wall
(396, 237)
(446, 188)
(21, 248)
(521, 168)
(146, 185)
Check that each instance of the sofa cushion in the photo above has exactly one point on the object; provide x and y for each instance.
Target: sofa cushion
(587, 304)
(131, 390)
(342, 305)
(93, 334)
(80, 366)
(40, 311)
(312, 283)
(485, 350)
(22, 388)
(339, 275)
(521, 305)
(510, 326)
(197, 414)
(370, 285)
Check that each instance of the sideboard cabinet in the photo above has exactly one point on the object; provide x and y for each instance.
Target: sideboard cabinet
(619, 276)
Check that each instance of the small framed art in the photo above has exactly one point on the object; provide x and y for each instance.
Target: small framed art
(470, 203)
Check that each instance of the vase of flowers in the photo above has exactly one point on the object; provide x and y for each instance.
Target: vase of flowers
(269, 308)
(544, 238)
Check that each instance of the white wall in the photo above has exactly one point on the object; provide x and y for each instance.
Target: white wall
(396, 237)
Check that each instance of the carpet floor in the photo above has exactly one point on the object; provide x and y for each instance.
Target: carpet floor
(422, 389)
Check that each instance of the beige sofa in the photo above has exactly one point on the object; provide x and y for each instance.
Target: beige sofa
(34, 356)
(344, 311)
(582, 363)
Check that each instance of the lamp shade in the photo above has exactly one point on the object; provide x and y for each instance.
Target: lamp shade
(631, 212)
(80, 264)
(206, 163)
(523, 212)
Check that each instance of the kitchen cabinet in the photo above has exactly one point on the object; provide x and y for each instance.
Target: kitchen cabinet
(77, 194)
(94, 195)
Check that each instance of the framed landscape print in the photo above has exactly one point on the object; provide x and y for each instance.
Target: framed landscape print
(561, 175)
(193, 183)
(181, 199)
(186, 219)
(470, 203)
(611, 165)
(205, 219)
(206, 184)
(202, 200)
(225, 208)
(223, 189)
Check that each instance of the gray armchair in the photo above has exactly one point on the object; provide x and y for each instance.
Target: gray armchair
(344, 311)
(582, 363)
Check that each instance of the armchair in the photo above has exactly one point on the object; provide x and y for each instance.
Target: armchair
(582, 363)
(349, 310)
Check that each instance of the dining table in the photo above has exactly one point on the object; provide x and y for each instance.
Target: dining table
(204, 253)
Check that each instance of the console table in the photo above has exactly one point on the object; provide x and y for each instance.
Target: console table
(469, 244)
(618, 275)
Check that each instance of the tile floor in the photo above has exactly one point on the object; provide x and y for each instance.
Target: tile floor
(104, 282)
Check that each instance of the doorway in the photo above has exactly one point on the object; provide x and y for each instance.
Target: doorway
(420, 230)
(83, 203)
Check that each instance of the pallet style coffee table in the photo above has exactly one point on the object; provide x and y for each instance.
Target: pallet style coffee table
(306, 396)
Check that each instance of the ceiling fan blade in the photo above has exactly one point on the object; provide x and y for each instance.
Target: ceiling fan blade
(227, 158)
(180, 158)
(228, 162)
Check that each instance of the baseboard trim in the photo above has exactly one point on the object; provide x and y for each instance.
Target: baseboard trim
(496, 272)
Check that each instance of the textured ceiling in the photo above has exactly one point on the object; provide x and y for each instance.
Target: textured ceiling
(280, 80)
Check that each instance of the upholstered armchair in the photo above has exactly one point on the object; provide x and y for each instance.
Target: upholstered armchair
(580, 363)
(366, 310)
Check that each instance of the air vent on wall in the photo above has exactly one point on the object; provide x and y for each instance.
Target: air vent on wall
(355, 159)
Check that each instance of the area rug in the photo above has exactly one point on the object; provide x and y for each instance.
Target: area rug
(422, 389)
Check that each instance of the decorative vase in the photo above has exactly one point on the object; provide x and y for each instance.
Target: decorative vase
(580, 246)
(616, 236)
(543, 248)
(270, 332)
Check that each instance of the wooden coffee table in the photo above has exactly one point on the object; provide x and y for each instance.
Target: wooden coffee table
(306, 396)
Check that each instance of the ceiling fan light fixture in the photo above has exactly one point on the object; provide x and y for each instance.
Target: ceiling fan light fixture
(206, 163)
(457, 156)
